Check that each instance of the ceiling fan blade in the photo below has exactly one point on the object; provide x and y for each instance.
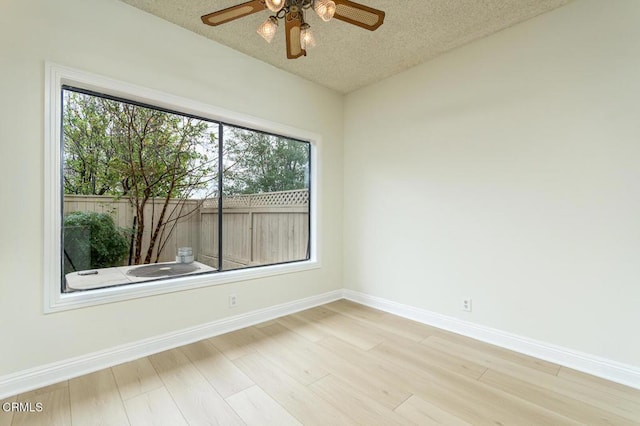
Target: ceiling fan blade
(292, 28)
(234, 12)
(358, 14)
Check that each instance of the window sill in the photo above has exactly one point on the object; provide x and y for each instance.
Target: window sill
(66, 301)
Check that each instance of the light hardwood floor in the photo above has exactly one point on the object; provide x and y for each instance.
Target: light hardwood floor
(338, 364)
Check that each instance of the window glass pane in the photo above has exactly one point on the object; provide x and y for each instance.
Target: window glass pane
(265, 210)
(142, 189)
(135, 183)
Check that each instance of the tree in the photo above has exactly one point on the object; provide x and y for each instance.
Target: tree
(257, 162)
(143, 154)
(89, 150)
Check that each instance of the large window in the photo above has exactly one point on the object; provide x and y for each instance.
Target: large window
(152, 196)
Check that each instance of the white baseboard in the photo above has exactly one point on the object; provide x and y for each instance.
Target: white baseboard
(611, 370)
(26, 380)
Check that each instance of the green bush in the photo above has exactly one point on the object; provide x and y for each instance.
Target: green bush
(91, 241)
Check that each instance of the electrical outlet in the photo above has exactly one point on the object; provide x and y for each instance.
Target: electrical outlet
(233, 300)
(466, 305)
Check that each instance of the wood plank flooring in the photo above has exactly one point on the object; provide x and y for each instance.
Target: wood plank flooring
(338, 364)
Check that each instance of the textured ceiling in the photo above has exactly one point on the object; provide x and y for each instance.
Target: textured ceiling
(348, 57)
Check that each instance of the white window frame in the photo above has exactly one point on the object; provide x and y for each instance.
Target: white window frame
(54, 299)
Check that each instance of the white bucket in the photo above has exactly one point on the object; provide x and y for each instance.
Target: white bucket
(185, 255)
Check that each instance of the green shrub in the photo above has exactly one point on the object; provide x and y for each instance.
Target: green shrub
(91, 241)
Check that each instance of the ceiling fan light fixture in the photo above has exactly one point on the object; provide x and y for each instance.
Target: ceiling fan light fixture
(298, 34)
(307, 40)
(325, 9)
(268, 29)
(275, 5)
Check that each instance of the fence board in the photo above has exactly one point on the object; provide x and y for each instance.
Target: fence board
(258, 229)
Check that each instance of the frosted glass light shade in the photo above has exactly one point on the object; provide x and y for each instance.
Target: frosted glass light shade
(325, 9)
(275, 5)
(307, 40)
(268, 29)
(331, 10)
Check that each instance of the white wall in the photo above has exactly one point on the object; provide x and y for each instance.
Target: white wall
(113, 39)
(508, 171)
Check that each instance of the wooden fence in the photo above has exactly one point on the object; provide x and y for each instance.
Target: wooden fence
(185, 233)
(258, 229)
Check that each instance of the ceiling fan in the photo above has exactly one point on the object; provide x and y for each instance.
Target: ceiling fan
(298, 31)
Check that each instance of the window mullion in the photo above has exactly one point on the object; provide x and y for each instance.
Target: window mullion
(220, 187)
